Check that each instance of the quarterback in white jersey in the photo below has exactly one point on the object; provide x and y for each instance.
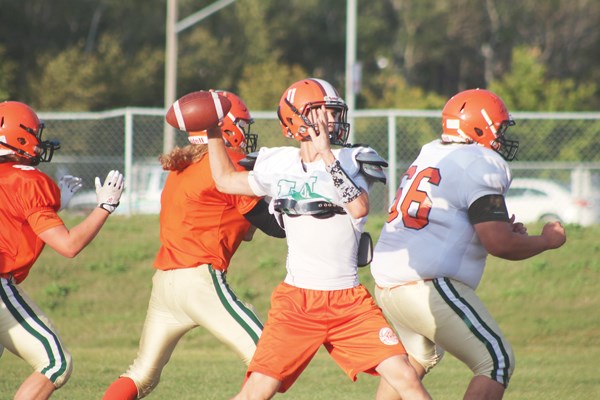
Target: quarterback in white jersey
(322, 198)
(448, 215)
(299, 188)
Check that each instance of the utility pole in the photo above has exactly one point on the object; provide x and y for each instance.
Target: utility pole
(173, 28)
(352, 68)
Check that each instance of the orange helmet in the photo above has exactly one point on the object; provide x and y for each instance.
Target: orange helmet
(21, 133)
(235, 128)
(300, 98)
(479, 116)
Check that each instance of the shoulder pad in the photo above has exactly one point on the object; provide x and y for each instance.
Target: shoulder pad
(248, 161)
(371, 157)
(371, 165)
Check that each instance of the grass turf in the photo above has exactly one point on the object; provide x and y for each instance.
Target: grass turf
(547, 307)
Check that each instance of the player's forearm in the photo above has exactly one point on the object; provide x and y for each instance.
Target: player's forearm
(359, 207)
(220, 165)
(69, 243)
(227, 178)
(356, 200)
(521, 247)
(501, 241)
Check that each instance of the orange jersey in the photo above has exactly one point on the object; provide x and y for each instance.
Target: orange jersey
(29, 200)
(199, 224)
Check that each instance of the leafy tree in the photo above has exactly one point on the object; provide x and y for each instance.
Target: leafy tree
(566, 34)
(263, 84)
(206, 62)
(8, 70)
(439, 46)
(527, 87)
(265, 76)
(67, 83)
(78, 81)
(392, 91)
(311, 34)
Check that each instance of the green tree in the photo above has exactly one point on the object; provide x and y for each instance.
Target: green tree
(68, 82)
(439, 46)
(103, 79)
(265, 76)
(8, 69)
(392, 91)
(566, 34)
(527, 86)
(263, 84)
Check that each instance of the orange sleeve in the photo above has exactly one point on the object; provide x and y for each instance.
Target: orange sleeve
(30, 200)
(199, 224)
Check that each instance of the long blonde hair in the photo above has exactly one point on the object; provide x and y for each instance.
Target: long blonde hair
(181, 157)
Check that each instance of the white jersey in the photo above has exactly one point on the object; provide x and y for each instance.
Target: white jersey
(428, 233)
(322, 252)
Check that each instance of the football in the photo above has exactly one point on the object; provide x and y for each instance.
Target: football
(197, 111)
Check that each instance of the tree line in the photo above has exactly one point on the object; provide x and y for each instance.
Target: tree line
(89, 55)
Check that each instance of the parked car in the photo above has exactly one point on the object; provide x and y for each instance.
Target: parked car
(142, 198)
(532, 200)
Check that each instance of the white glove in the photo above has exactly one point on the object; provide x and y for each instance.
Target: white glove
(69, 185)
(109, 194)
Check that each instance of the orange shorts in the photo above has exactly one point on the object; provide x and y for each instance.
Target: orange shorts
(348, 322)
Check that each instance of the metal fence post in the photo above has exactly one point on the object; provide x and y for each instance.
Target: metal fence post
(392, 183)
(128, 156)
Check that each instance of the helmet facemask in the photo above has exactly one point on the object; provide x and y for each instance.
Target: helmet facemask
(507, 148)
(237, 134)
(338, 129)
(236, 124)
(251, 138)
(43, 150)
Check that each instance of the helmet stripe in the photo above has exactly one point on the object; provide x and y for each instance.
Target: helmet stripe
(327, 88)
(489, 121)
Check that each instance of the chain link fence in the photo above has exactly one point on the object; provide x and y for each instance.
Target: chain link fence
(562, 147)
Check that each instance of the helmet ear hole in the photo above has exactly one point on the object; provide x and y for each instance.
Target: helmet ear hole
(479, 132)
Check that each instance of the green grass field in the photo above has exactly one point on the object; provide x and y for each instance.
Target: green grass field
(548, 307)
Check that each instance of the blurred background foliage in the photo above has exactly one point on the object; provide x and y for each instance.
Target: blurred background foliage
(90, 55)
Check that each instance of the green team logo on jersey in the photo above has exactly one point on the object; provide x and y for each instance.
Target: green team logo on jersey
(288, 190)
